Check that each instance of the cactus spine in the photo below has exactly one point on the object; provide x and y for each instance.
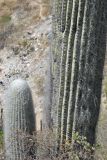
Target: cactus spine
(18, 119)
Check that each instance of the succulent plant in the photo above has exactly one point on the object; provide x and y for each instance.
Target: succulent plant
(19, 119)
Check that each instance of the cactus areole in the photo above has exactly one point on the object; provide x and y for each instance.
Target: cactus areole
(19, 119)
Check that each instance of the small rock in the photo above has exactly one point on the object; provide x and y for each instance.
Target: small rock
(1, 83)
(15, 50)
(26, 76)
(7, 75)
(29, 33)
(8, 57)
(32, 48)
(24, 55)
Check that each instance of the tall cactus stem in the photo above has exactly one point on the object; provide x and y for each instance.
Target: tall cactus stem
(18, 119)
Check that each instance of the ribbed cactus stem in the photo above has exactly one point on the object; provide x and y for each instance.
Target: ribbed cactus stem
(18, 119)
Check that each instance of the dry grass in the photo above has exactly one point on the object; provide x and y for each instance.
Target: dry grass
(6, 9)
(6, 6)
(34, 11)
(37, 9)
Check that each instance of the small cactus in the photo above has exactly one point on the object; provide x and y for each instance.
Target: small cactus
(18, 119)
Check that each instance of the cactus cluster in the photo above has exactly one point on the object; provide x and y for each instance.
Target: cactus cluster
(79, 28)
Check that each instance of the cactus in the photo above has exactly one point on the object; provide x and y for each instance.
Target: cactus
(81, 59)
(18, 119)
(91, 65)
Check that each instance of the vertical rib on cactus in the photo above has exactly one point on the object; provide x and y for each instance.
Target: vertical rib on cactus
(68, 16)
(74, 72)
(63, 15)
(59, 10)
(62, 67)
(18, 119)
(68, 66)
(56, 50)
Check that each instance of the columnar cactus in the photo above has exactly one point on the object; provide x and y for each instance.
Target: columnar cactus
(91, 65)
(18, 119)
(82, 54)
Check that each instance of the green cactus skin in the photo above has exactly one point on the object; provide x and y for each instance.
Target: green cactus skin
(19, 118)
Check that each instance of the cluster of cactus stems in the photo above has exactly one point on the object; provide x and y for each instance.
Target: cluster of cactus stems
(79, 28)
(83, 31)
(19, 119)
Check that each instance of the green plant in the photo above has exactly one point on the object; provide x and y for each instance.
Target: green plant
(82, 141)
(5, 19)
(24, 43)
(18, 119)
